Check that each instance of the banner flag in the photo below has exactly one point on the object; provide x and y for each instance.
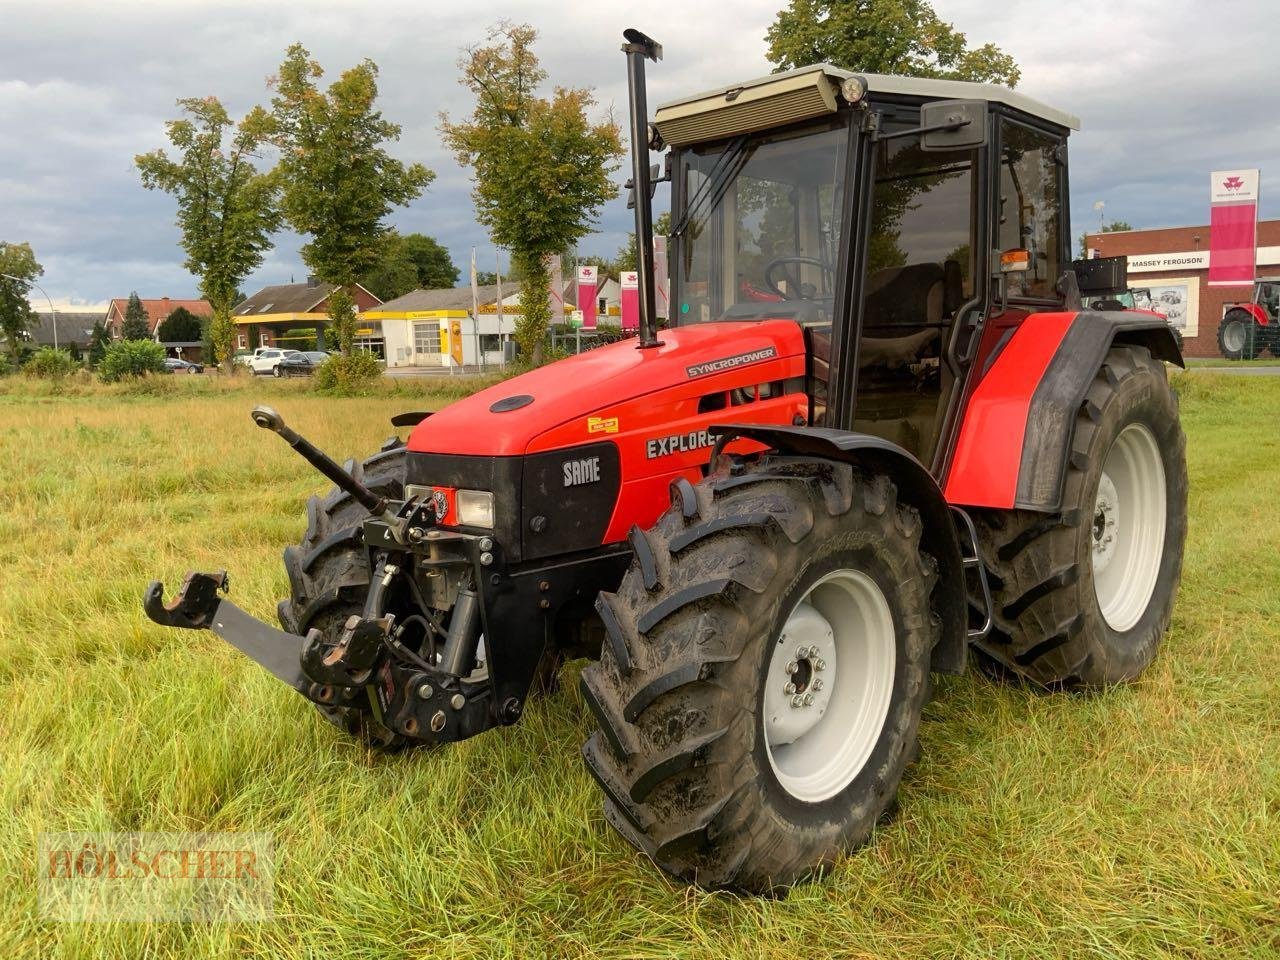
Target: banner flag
(630, 301)
(587, 296)
(1233, 227)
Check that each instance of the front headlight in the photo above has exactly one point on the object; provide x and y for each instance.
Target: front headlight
(475, 508)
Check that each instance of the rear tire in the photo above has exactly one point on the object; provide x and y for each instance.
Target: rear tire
(329, 576)
(694, 753)
(1083, 597)
(1239, 336)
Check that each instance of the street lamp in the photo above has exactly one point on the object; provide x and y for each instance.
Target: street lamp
(52, 311)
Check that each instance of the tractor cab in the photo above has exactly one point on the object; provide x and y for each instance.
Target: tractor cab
(904, 223)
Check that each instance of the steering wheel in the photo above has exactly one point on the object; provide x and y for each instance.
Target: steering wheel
(798, 290)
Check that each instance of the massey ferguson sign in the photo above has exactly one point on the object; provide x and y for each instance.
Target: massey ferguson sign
(1233, 227)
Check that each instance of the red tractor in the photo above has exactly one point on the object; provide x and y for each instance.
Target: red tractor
(881, 431)
(1249, 328)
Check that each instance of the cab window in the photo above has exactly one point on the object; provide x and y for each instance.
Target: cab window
(1030, 215)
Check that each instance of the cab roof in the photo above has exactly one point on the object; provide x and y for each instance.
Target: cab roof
(811, 91)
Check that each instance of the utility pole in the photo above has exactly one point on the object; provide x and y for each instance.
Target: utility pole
(52, 311)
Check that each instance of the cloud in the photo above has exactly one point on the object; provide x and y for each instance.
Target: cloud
(1167, 92)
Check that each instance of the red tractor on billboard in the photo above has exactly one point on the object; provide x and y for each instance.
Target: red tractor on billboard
(769, 525)
(1247, 329)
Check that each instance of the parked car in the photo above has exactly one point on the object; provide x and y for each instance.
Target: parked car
(302, 364)
(268, 360)
(175, 365)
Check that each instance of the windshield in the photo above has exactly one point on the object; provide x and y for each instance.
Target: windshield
(760, 228)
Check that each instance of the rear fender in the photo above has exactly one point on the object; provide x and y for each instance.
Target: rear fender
(1256, 311)
(915, 486)
(1016, 430)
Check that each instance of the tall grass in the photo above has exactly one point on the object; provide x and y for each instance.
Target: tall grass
(1141, 822)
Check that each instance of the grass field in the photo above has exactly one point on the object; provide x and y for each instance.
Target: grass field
(1142, 822)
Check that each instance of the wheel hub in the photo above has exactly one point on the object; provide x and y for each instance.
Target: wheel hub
(798, 692)
(1106, 519)
(1233, 336)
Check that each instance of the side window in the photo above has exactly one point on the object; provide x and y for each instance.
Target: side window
(1031, 204)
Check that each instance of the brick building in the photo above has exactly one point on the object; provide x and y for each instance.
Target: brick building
(294, 314)
(1173, 263)
(156, 310)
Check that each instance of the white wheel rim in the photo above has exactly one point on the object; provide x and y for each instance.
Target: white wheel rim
(837, 651)
(1233, 336)
(1128, 527)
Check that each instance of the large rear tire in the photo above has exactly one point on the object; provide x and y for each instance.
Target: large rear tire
(329, 575)
(1083, 597)
(721, 751)
(1239, 335)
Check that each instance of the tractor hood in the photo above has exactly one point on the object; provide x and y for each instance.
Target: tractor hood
(505, 419)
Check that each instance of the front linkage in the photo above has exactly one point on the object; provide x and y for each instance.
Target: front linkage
(436, 693)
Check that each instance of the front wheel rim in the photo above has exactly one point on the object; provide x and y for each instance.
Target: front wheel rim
(829, 685)
(1127, 537)
(1233, 336)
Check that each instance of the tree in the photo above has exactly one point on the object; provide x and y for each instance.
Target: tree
(227, 208)
(411, 262)
(339, 182)
(628, 256)
(135, 325)
(16, 316)
(541, 168)
(905, 37)
(180, 326)
(1115, 226)
(98, 341)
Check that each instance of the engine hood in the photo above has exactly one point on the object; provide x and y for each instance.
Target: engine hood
(503, 420)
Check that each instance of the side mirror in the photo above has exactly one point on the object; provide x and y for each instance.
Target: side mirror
(953, 125)
(658, 173)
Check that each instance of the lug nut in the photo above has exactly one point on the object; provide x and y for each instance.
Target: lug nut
(820, 664)
(457, 701)
(486, 544)
(789, 689)
(425, 692)
(817, 684)
(486, 559)
(792, 667)
(808, 699)
(416, 534)
(797, 701)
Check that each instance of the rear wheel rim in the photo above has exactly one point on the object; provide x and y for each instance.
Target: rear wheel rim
(1233, 336)
(828, 685)
(1128, 527)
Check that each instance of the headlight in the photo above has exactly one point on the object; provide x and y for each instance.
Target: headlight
(475, 508)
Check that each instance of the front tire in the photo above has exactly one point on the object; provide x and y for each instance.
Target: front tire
(1083, 597)
(329, 576)
(754, 589)
(1239, 336)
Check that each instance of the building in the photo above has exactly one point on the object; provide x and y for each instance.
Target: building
(1173, 264)
(74, 329)
(156, 310)
(418, 328)
(296, 315)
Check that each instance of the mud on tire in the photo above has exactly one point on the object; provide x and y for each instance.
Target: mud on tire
(680, 752)
(329, 574)
(1049, 623)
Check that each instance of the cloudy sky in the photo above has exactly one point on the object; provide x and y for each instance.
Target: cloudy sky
(1167, 91)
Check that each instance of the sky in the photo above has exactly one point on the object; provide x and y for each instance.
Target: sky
(1167, 92)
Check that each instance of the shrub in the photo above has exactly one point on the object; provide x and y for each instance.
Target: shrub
(131, 358)
(49, 363)
(349, 374)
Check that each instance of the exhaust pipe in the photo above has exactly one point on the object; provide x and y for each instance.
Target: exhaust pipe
(639, 48)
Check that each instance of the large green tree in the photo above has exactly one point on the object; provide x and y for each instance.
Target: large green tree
(905, 37)
(180, 326)
(16, 316)
(541, 167)
(339, 181)
(227, 207)
(135, 325)
(1115, 226)
(409, 262)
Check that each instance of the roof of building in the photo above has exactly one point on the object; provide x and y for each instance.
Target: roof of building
(157, 310)
(446, 298)
(902, 86)
(72, 327)
(286, 298)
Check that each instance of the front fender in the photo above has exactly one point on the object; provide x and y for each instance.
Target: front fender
(916, 487)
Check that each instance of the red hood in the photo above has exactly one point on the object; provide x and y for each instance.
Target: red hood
(576, 386)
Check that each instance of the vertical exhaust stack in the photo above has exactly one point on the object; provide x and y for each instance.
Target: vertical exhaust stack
(638, 48)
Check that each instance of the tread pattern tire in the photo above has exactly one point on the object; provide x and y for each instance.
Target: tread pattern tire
(679, 752)
(1252, 339)
(329, 574)
(1048, 625)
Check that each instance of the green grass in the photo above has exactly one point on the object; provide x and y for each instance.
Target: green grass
(1224, 362)
(1141, 822)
